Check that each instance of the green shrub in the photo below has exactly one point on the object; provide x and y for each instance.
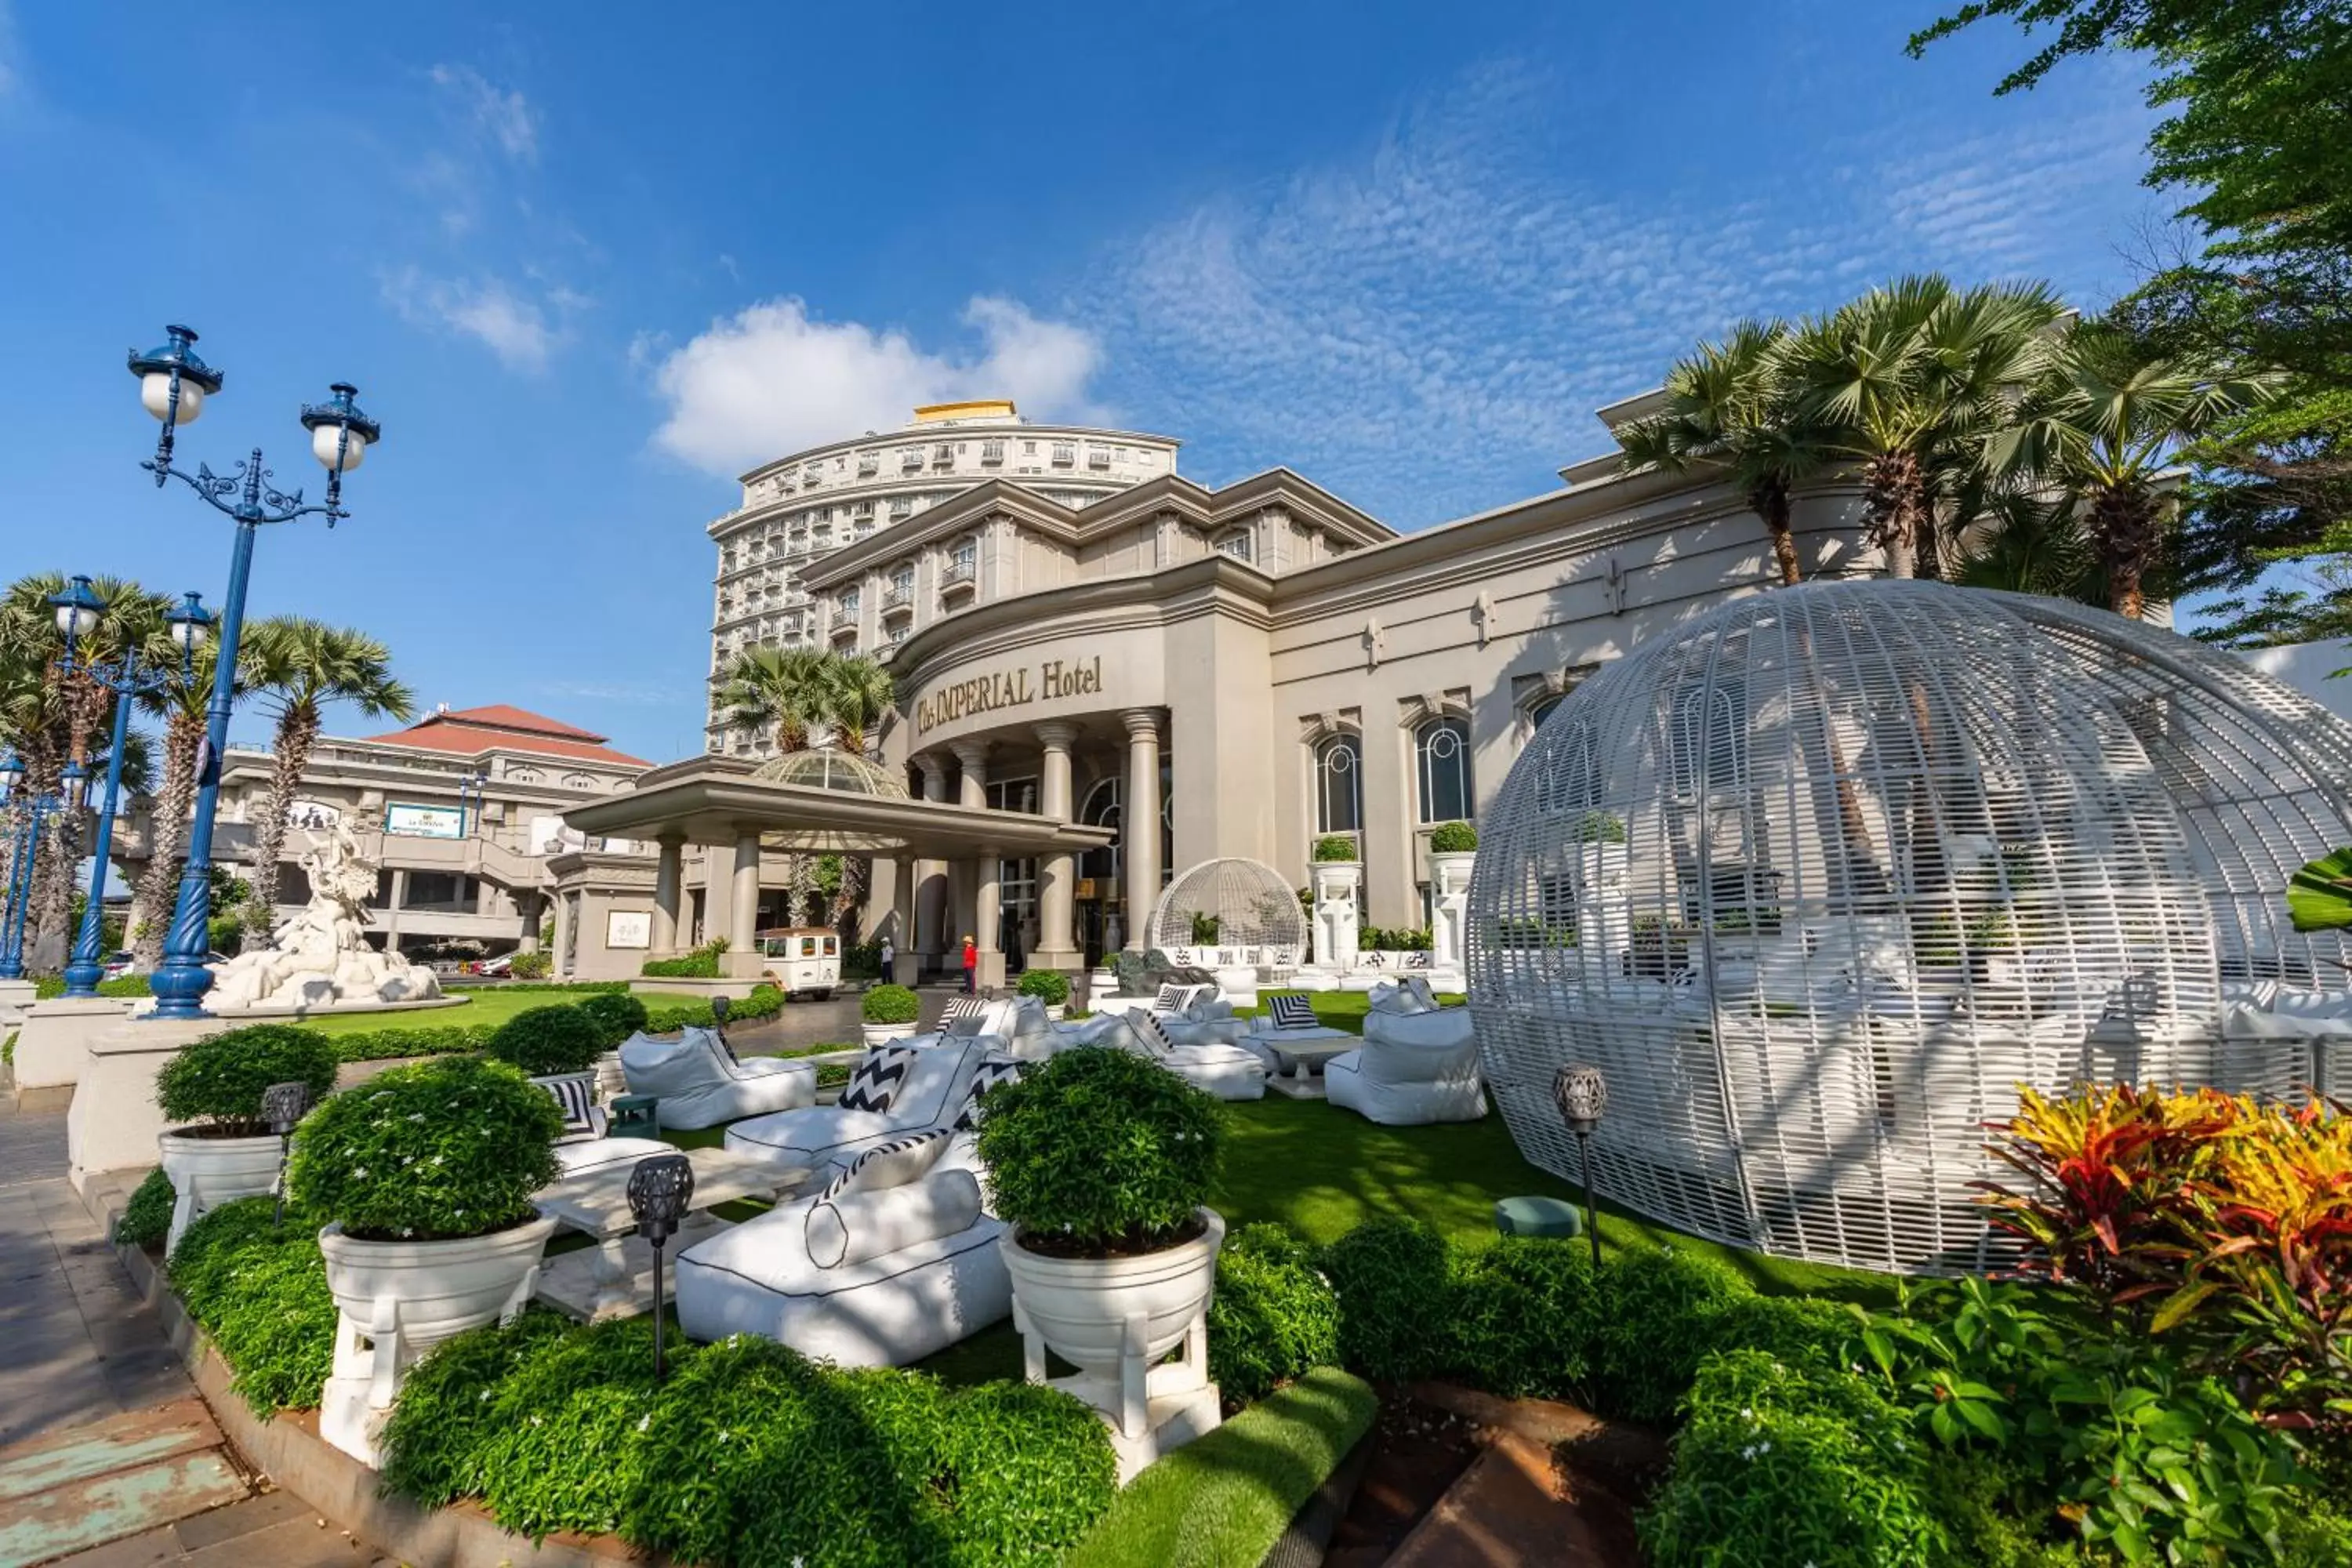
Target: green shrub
(889, 1005)
(1029, 1469)
(450, 1147)
(1525, 1316)
(46, 987)
(1050, 986)
(1334, 846)
(147, 1216)
(1453, 838)
(702, 964)
(218, 1082)
(559, 1448)
(1391, 1278)
(530, 965)
(617, 1013)
(668, 1017)
(435, 1437)
(1104, 1149)
(1274, 1315)
(1804, 1331)
(517, 988)
(553, 1039)
(430, 1039)
(1601, 827)
(1228, 1497)
(259, 1290)
(1777, 1467)
(1655, 1325)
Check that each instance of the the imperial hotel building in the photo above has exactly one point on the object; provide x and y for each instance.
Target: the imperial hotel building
(1085, 633)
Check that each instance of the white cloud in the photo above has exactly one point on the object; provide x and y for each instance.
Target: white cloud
(521, 329)
(503, 115)
(1427, 328)
(771, 380)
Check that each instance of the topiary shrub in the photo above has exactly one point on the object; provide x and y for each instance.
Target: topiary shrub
(451, 1147)
(530, 965)
(147, 1217)
(1525, 1313)
(1050, 986)
(1273, 1316)
(1658, 1308)
(1453, 838)
(1396, 1296)
(1334, 846)
(617, 1013)
(217, 1082)
(1778, 1466)
(889, 1005)
(543, 1040)
(1100, 1152)
(259, 1290)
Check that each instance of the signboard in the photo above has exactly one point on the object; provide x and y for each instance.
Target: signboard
(628, 928)
(425, 821)
(314, 816)
(1013, 688)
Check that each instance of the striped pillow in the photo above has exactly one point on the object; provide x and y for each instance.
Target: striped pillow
(1147, 1028)
(575, 1096)
(1170, 998)
(992, 1071)
(891, 1165)
(1291, 1011)
(877, 1079)
(965, 1007)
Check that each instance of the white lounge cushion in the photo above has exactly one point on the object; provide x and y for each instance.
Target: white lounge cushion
(1227, 1071)
(698, 1086)
(891, 1165)
(827, 1137)
(1405, 1086)
(2242, 1022)
(1029, 1034)
(1445, 1027)
(594, 1153)
(857, 1226)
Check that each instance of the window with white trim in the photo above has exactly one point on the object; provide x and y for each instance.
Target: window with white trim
(1441, 748)
(1340, 785)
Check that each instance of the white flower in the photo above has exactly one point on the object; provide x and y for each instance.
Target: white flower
(643, 1421)
(416, 1116)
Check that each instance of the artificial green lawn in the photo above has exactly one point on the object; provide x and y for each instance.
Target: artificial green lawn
(480, 1007)
(1227, 1497)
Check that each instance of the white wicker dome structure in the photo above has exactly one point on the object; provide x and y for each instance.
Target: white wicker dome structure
(1251, 902)
(1820, 877)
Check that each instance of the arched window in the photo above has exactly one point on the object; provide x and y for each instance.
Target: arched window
(1441, 750)
(1101, 810)
(1542, 711)
(1340, 785)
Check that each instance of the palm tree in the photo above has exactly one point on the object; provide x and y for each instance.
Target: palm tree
(299, 666)
(182, 705)
(781, 690)
(1908, 380)
(2103, 421)
(1731, 405)
(859, 693)
(2034, 545)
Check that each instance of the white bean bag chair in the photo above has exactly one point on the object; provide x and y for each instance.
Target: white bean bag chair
(700, 1084)
(1028, 1035)
(926, 1090)
(894, 1260)
(1412, 1068)
(583, 1145)
(1210, 1022)
(1269, 1032)
(1224, 1069)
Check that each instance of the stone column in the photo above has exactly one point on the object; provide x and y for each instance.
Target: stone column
(1057, 875)
(905, 966)
(743, 916)
(668, 874)
(562, 934)
(391, 913)
(528, 906)
(985, 913)
(930, 938)
(972, 789)
(1139, 822)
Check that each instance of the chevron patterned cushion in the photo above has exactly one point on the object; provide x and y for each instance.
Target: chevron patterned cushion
(992, 1071)
(890, 1164)
(1291, 1011)
(876, 1082)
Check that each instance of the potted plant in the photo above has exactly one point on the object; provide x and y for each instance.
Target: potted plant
(222, 1149)
(424, 1175)
(1048, 986)
(1100, 1162)
(888, 1010)
(563, 1038)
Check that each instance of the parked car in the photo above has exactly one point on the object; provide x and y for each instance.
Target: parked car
(496, 968)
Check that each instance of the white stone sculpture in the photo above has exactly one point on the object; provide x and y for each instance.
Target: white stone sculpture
(320, 958)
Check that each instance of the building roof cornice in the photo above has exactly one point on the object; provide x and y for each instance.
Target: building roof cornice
(1215, 583)
(963, 431)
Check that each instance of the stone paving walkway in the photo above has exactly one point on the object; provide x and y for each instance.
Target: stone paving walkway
(102, 1436)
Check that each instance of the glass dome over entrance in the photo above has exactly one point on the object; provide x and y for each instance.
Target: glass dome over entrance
(828, 768)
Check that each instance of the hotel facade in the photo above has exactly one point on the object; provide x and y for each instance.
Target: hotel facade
(1246, 669)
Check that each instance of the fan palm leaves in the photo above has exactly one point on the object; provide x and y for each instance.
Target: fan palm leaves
(2102, 423)
(1731, 405)
(859, 693)
(298, 667)
(182, 704)
(2319, 897)
(784, 692)
(1907, 381)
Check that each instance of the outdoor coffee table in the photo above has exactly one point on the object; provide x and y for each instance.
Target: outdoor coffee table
(614, 1277)
(1306, 1057)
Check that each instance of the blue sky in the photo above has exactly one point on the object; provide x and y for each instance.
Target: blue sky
(588, 262)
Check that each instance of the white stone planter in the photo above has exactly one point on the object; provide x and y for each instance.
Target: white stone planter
(1114, 1318)
(1449, 871)
(208, 1171)
(396, 1300)
(883, 1033)
(1335, 912)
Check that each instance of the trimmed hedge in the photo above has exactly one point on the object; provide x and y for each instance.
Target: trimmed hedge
(750, 1455)
(511, 988)
(890, 1003)
(147, 1215)
(48, 987)
(1226, 1497)
(259, 1290)
(663, 1017)
(1273, 1316)
(617, 1013)
(702, 964)
(1392, 1280)
(1050, 986)
(559, 1039)
(219, 1080)
(425, 1040)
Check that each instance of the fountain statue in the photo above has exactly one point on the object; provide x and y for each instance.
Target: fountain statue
(319, 958)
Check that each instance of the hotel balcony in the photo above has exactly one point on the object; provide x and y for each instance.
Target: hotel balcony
(959, 581)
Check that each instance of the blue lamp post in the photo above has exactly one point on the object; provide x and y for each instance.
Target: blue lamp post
(129, 678)
(173, 384)
(30, 811)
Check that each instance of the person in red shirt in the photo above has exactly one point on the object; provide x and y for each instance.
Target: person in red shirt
(971, 967)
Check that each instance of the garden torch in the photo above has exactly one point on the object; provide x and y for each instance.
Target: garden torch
(660, 1188)
(1582, 1094)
